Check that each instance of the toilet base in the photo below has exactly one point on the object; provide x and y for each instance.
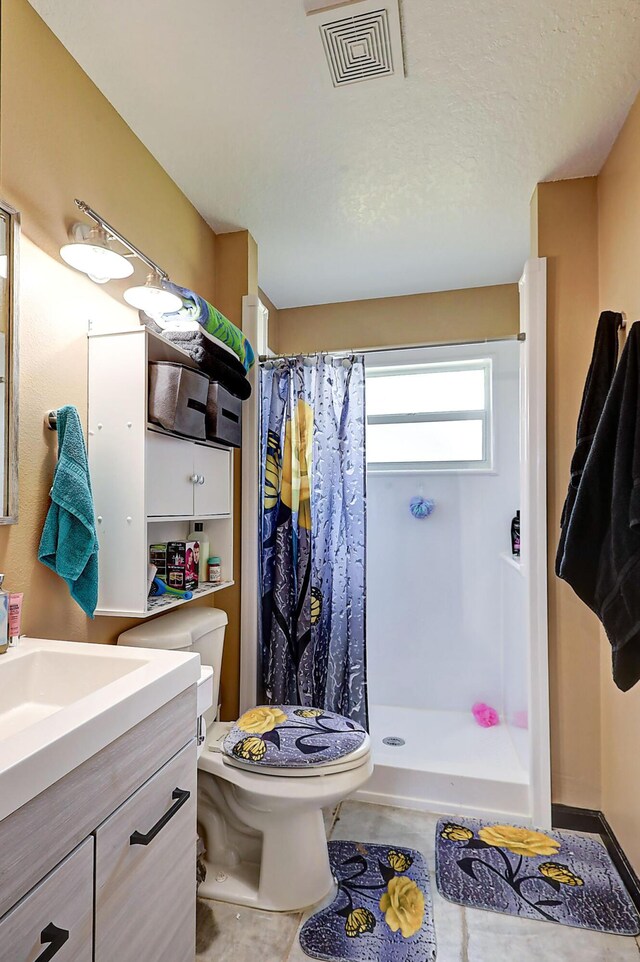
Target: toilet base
(266, 847)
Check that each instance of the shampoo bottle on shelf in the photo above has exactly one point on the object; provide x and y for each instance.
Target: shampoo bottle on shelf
(515, 536)
(198, 535)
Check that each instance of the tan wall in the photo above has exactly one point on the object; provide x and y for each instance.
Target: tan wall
(395, 321)
(619, 250)
(60, 139)
(566, 216)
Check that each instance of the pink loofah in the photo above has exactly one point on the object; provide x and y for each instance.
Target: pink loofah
(485, 715)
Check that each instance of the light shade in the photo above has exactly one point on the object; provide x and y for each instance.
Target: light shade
(152, 298)
(90, 253)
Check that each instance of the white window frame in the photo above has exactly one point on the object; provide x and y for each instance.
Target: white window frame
(483, 466)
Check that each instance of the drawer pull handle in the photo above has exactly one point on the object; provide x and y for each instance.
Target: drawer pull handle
(55, 937)
(138, 838)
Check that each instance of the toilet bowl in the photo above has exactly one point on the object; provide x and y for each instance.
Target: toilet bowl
(263, 781)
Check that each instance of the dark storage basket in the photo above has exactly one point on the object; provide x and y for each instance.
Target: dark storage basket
(224, 416)
(178, 398)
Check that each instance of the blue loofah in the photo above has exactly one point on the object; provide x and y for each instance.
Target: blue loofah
(421, 507)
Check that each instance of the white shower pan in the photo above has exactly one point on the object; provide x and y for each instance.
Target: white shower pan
(447, 764)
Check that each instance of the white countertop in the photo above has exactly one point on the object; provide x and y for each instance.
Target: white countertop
(62, 702)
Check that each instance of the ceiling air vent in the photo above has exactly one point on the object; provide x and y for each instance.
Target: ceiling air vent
(358, 47)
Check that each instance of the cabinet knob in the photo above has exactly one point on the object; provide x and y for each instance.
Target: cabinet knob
(195, 478)
(201, 480)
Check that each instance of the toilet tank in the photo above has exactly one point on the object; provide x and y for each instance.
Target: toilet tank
(192, 629)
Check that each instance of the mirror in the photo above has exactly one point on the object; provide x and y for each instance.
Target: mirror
(9, 250)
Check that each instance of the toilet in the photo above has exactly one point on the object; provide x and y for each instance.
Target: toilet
(263, 780)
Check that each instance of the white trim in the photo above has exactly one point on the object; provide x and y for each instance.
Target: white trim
(253, 322)
(533, 400)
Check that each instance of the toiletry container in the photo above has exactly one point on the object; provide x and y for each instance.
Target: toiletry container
(4, 617)
(515, 535)
(214, 570)
(197, 534)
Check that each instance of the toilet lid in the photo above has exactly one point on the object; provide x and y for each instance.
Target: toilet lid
(277, 737)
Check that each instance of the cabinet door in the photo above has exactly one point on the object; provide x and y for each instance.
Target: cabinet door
(55, 920)
(170, 476)
(146, 870)
(212, 492)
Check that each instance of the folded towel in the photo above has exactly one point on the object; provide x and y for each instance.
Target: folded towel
(213, 360)
(195, 308)
(596, 389)
(69, 545)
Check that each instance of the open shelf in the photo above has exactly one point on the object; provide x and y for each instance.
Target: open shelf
(512, 561)
(205, 518)
(166, 602)
(158, 429)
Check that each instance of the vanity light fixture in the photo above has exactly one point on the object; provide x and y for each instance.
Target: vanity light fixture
(90, 251)
(152, 298)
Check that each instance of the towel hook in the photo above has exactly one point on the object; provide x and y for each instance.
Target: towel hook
(51, 420)
(623, 322)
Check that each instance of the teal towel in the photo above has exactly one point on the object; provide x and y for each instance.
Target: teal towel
(69, 544)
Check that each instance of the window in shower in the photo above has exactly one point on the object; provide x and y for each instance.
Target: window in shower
(430, 417)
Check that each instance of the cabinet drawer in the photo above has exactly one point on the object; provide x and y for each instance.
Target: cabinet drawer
(146, 870)
(170, 482)
(54, 921)
(212, 493)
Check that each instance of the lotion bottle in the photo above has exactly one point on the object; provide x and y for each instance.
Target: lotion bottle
(4, 618)
(198, 535)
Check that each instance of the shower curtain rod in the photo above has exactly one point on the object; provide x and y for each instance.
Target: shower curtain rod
(396, 347)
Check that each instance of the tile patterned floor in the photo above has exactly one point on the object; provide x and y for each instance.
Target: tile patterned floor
(228, 933)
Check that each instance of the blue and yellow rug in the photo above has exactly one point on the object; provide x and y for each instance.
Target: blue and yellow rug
(381, 912)
(553, 876)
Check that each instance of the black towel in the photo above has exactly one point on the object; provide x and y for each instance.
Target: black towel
(601, 558)
(219, 364)
(596, 389)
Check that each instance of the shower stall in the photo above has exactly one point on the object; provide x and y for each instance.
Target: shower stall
(455, 446)
(445, 595)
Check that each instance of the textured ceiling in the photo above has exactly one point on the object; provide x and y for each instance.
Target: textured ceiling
(378, 188)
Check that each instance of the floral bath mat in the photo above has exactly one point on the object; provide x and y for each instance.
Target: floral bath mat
(382, 909)
(555, 876)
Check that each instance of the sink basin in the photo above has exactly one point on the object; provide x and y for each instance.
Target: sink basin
(44, 681)
(62, 702)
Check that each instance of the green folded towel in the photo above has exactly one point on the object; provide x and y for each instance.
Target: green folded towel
(69, 544)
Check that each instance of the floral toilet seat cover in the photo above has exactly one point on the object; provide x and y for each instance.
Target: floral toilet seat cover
(288, 736)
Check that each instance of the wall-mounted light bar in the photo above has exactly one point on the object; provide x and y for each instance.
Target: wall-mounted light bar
(90, 250)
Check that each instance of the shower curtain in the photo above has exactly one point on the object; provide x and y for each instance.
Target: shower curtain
(312, 533)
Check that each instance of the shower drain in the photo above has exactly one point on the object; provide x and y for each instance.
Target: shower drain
(393, 740)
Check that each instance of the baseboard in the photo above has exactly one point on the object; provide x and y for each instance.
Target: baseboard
(594, 822)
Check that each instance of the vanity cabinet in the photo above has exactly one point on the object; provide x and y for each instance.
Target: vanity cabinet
(55, 920)
(145, 869)
(101, 866)
(145, 478)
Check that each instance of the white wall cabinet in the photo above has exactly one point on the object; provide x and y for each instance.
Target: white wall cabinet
(185, 478)
(145, 478)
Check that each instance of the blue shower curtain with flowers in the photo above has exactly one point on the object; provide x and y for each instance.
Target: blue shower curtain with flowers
(312, 533)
